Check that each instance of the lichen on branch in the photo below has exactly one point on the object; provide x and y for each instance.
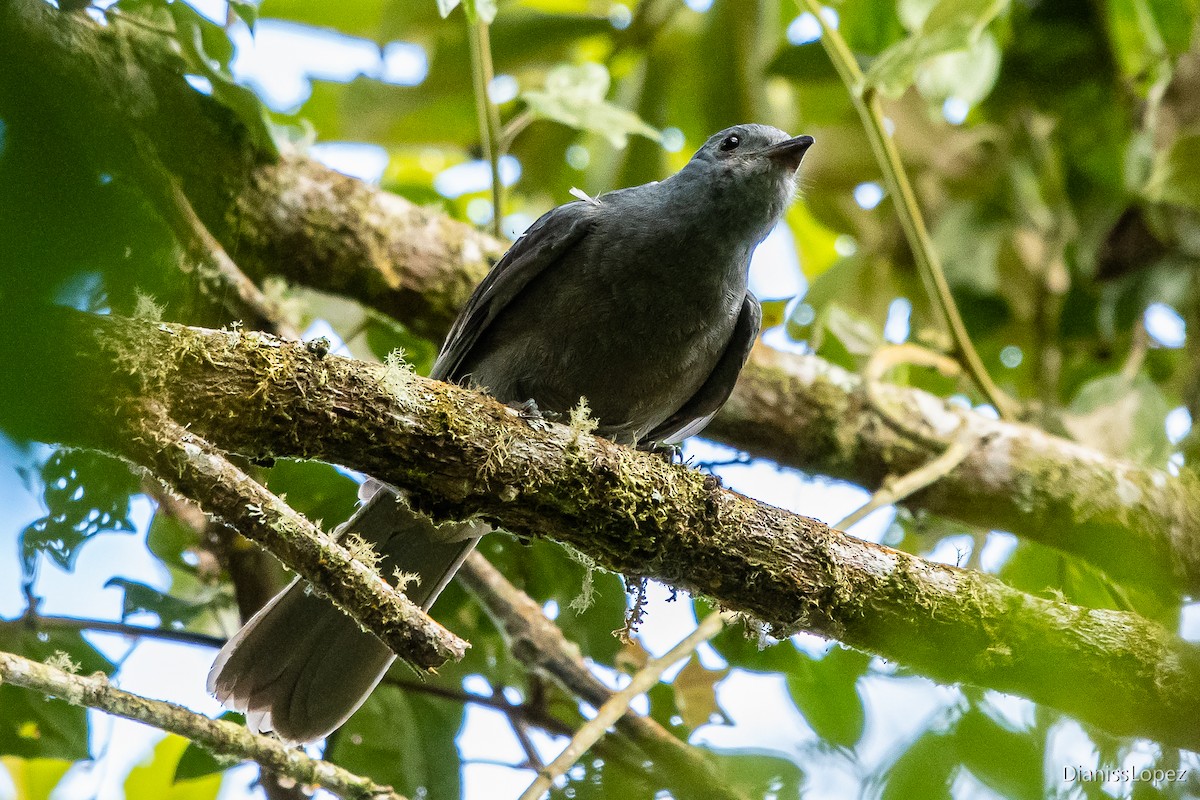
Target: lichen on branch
(635, 514)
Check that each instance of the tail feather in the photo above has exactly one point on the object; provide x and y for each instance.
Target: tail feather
(300, 666)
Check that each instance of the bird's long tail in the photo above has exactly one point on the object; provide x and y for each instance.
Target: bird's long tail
(300, 667)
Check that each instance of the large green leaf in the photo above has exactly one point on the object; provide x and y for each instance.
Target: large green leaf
(951, 26)
(403, 739)
(156, 777)
(825, 690)
(574, 96)
(31, 725)
(34, 779)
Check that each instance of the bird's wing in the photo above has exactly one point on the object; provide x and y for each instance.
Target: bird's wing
(546, 242)
(712, 394)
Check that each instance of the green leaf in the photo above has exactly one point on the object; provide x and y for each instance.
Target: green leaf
(196, 762)
(172, 612)
(35, 778)
(574, 96)
(952, 25)
(86, 494)
(156, 777)
(838, 334)
(869, 26)
(34, 726)
(1122, 417)
(404, 739)
(1175, 177)
(1010, 762)
(825, 691)
(318, 491)
(925, 770)
(545, 571)
(197, 37)
(478, 10)
(246, 11)
(762, 774)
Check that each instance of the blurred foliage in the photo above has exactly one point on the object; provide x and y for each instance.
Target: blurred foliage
(1055, 148)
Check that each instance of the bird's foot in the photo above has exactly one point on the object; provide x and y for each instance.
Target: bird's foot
(671, 453)
(533, 416)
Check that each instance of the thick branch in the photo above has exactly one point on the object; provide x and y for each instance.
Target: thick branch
(1131, 520)
(217, 736)
(464, 454)
(189, 464)
(321, 229)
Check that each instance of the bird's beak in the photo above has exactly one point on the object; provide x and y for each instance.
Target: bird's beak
(791, 151)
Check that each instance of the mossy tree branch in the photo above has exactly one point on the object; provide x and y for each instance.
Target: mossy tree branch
(191, 466)
(219, 737)
(463, 454)
(294, 217)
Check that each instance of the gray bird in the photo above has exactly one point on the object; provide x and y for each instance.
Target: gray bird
(635, 300)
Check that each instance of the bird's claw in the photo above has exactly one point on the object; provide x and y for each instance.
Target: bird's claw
(671, 453)
(533, 416)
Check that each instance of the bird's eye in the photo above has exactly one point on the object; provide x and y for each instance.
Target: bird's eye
(731, 142)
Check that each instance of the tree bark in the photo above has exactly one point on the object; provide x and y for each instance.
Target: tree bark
(293, 217)
(464, 454)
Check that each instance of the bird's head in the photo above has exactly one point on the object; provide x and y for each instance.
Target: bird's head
(749, 171)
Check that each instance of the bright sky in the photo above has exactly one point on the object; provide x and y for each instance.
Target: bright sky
(278, 62)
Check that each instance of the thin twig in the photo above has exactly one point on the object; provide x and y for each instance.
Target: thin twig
(485, 109)
(538, 643)
(512, 129)
(219, 737)
(887, 358)
(40, 622)
(618, 704)
(866, 101)
(895, 489)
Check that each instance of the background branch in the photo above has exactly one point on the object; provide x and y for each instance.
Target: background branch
(538, 643)
(217, 736)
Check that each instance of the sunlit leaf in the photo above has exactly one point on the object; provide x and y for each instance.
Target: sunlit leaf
(951, 25)
(156, 777)
(574, 96)
(34, 778)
